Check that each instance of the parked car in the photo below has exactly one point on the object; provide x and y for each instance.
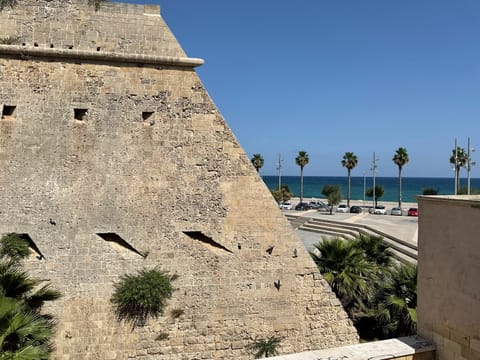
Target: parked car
(302, 206)
(286, 205)
(356, 209)
(396, 211)
(412, 212)
(379, 210)
(343, 208)
(317, 205)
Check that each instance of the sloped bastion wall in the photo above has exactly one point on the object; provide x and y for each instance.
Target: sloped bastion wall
(115, 159)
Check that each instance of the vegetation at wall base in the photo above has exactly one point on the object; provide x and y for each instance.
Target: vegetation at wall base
(25, 332)
(138, 297)
(378, 293)
(265, 347)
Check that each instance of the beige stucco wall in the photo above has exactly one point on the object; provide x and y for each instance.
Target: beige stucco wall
(449, 274)
(65, 180)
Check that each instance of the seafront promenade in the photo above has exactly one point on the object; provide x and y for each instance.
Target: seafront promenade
(404, 228)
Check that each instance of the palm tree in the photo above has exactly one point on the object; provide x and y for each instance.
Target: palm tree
(301, 160)
(257, 161)
(396, 312)
(375, 249)
(460, 161)
(265, 347)
(349, 161)
(400, 158)
(345, 267)
(25, 332)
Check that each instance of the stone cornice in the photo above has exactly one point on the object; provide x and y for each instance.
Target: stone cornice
(97, 56)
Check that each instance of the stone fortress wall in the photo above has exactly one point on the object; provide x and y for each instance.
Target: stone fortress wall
(114, 159)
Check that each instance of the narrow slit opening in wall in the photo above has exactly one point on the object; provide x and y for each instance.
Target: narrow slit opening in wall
(7, 111)
(80, 114)
(198, 235)
(147, 115)
(117, 239)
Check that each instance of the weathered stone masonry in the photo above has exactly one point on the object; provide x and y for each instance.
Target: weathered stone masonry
(107, 129)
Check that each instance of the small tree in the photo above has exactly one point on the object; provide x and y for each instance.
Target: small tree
(283, 195)
(333, 194)
(379, 191)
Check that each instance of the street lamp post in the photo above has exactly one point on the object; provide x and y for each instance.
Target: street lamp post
(364, 187)
(374, 168)
(470, 163)
(279, 168)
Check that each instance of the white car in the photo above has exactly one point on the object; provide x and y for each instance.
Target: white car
(286, 205)
(396, 211)
(343, 208)
(380, 210)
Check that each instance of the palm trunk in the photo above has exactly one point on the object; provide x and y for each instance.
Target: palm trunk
(457, 180)
(301, 184)
(400, 187)
(348, 192)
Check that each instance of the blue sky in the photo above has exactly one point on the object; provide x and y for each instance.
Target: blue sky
(340, 75)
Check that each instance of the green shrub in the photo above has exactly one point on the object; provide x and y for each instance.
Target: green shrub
(137, 297)
(430, 191)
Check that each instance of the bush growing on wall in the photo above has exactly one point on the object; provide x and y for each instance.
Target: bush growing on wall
(137, 297)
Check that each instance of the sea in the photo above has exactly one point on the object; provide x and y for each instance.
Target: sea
(411, 186)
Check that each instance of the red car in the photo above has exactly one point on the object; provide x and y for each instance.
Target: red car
(412, 212)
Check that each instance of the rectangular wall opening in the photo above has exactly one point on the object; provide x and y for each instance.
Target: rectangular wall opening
(147, 115)
(7, 111)
(80, 114)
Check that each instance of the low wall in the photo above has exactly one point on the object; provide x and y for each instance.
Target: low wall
(405, 348)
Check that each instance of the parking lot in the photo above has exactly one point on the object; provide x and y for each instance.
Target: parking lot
(403, 227)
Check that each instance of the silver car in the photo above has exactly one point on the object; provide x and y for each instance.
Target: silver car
(343, 208)
(396, 211)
